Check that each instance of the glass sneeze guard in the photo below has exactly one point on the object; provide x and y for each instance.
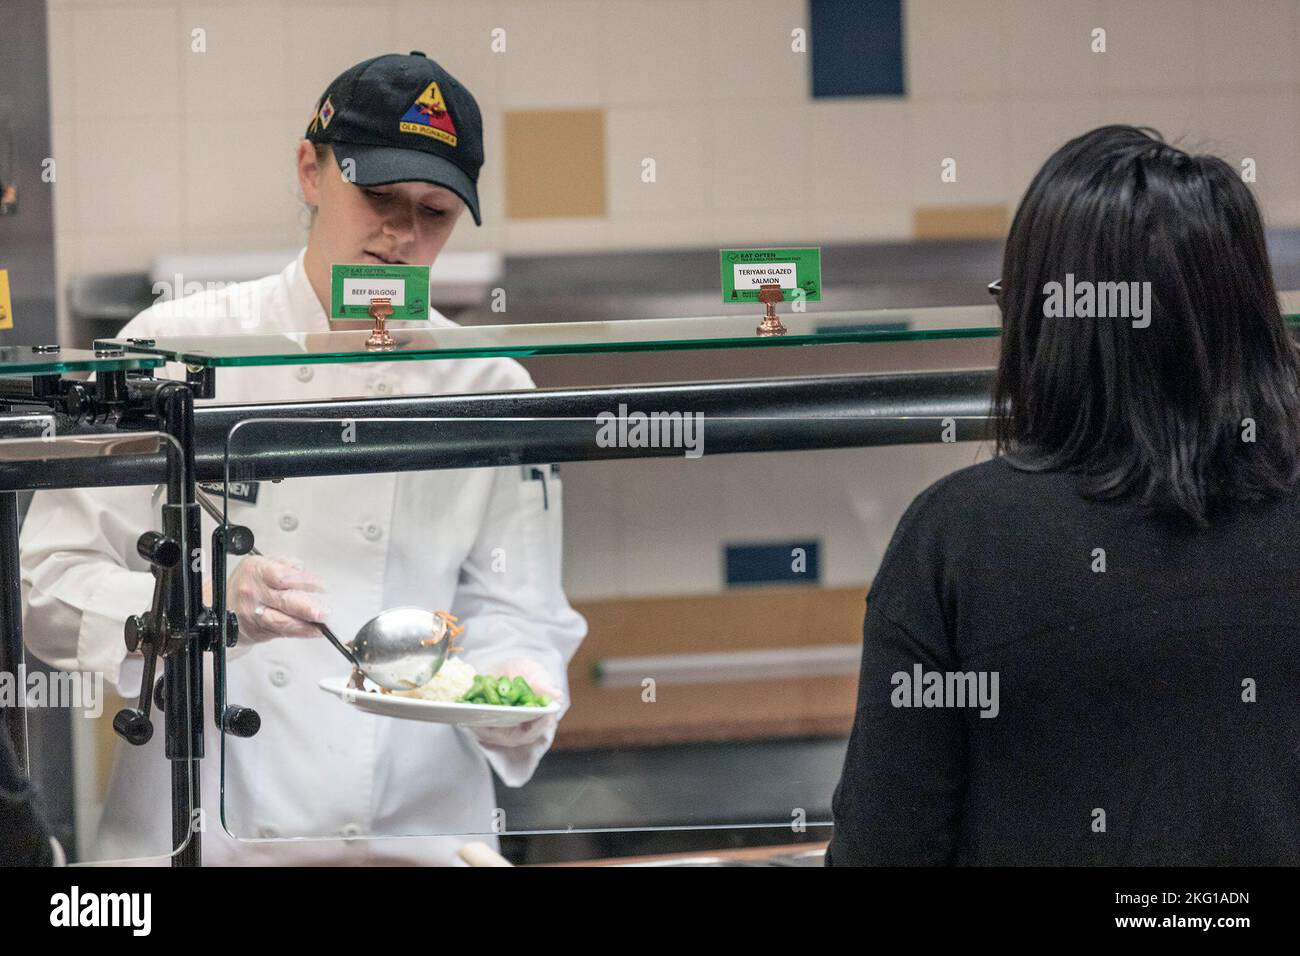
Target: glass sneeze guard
(30, 360)
(560, 338)
(567, 338)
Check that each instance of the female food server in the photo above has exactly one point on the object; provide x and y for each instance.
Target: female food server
(390, 160)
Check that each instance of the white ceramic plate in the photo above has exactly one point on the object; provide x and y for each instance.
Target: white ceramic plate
(433, 711)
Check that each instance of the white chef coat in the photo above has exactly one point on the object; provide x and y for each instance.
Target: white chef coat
(482, 543)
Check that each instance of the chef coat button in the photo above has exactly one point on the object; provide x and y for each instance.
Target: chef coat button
(351, 831)
(372, 532)
(279, 676)
(288, 522)
(267, 832)
(383, 388)
(305, 373)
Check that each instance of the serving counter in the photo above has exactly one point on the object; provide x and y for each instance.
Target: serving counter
(130, 426)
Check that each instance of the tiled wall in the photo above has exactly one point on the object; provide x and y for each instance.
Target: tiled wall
(165, 149)
(161, 149)
(659, 526)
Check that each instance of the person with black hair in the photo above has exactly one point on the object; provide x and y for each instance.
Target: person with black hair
(1085, 650)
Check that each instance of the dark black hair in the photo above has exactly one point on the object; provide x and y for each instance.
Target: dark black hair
(1157, 413)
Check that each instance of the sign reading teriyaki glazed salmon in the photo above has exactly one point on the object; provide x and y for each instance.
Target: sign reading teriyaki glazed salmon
(797, 271)
(354, 286)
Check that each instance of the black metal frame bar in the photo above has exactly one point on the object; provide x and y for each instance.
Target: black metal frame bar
(795, 414)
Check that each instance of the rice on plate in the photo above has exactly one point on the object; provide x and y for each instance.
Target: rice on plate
(453, 681)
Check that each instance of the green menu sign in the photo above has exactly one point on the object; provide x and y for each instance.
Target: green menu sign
(796, 271)
(353, 286)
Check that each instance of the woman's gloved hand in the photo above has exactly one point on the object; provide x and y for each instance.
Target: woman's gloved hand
(530, 731)
(274, 597)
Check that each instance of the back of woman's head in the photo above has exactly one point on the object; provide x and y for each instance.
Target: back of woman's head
(1142, 344)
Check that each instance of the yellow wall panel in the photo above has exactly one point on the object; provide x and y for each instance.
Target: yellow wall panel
(960, 222)
(555, 163)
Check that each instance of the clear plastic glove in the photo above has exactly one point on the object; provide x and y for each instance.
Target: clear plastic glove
(530, 731)
(274, 597)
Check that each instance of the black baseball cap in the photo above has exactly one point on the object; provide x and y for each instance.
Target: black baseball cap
(403, 118)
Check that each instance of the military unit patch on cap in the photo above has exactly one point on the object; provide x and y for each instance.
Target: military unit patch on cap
(403, 118)
(321, 117)
(428, 116)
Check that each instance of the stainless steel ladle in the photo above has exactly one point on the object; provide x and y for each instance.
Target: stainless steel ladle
(398, 649)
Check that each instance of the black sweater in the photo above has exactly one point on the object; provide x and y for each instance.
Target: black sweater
(1146, 714)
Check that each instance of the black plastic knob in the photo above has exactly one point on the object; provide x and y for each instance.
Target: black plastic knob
(133, 726)
(158, 549)
(158, 694)
(240, 721)
(239, 539)
(136, 632)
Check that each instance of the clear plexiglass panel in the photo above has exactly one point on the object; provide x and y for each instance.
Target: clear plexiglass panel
(414, 342)
(106, 800)
(559, 338)
(699, 616)
(29, 360)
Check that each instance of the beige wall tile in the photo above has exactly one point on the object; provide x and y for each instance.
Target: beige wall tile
(1151, 46)
(128, 180)
(63, 143)
(676, 139)
(655, 504)
(290, 234)
(860, 152)
(749, 56)
(1251, 44)
(471, 238)
(227, 185)
(654, 51)
(594, 540)
(244, 68)
(553, 55)
(548, 235)
(761, 161)
(126, 62)
(121, 251)
(1049, 46)
(974, 134)
(954, 50)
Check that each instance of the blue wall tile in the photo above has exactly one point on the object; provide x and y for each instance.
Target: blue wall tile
(857, 47)
(748, 564)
